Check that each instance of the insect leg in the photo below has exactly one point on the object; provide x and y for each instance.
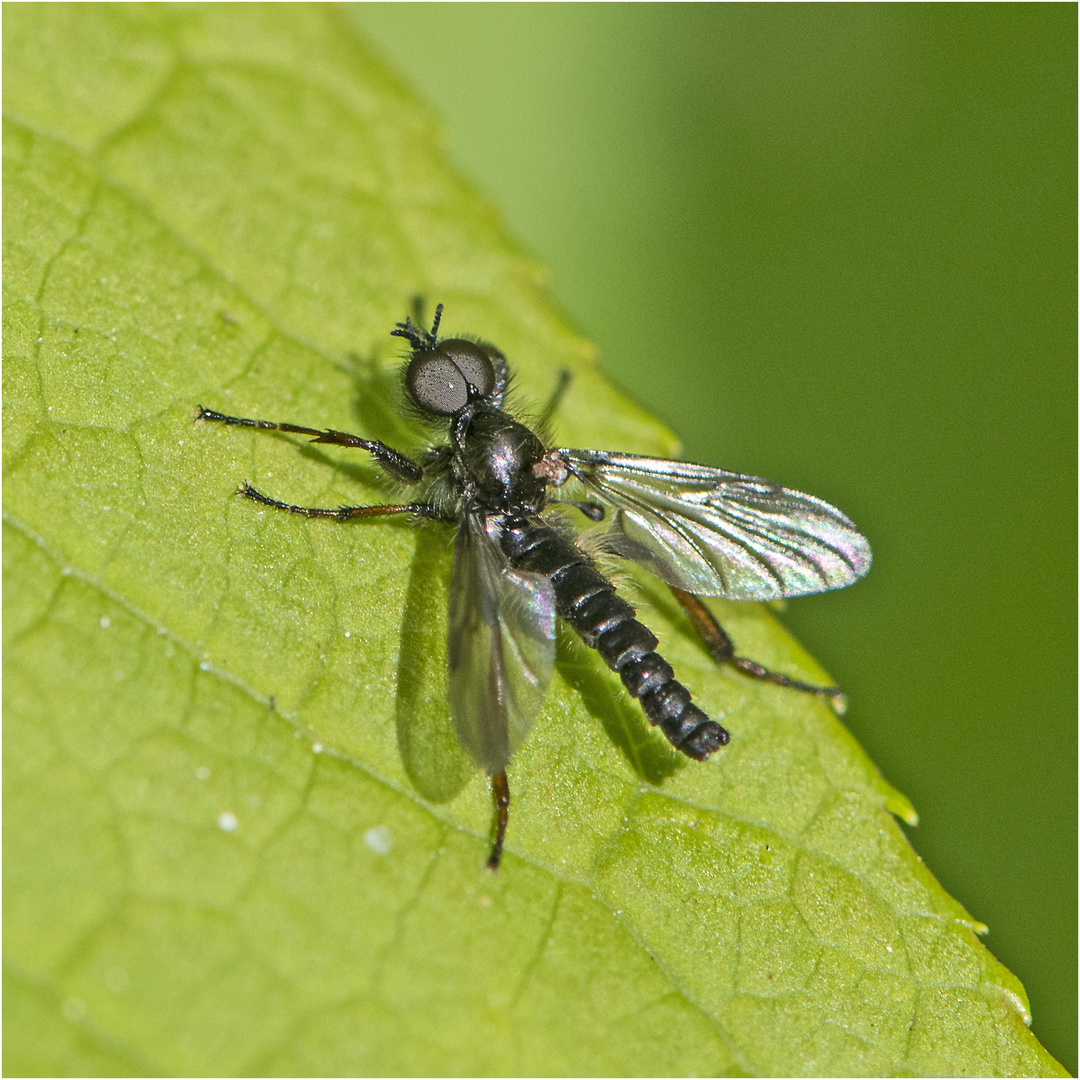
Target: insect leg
(339, 513)
(593, 511)
(553, 402)
(395, 463)
(500, 793)
(722, 650)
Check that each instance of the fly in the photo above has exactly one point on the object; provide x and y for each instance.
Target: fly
(517, 565)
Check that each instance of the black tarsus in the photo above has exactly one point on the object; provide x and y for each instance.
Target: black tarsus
(722, 650)
(500, 793)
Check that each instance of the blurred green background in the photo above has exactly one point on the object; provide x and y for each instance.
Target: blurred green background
(835, 246)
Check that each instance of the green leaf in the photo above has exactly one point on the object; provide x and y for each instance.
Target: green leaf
(239, 835)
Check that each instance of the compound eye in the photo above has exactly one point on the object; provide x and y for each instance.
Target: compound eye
(436, 384)
(471, 360)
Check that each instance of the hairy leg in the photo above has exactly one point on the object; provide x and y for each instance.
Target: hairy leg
(722, 650)
(393, 461)
(339, 513)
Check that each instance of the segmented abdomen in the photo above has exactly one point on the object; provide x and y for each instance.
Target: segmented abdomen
(586, 600)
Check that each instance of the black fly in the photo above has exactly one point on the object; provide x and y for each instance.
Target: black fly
(701, 530)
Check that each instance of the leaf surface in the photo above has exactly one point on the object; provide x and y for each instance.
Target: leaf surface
(239, 834)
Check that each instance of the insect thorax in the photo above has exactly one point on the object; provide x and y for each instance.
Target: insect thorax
(497, 456)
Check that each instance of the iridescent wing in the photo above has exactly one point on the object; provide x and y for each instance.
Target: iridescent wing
(718, 533)
(501, 647)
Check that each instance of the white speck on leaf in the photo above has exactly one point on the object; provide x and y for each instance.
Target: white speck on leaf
(379, 839)
(202, 773)
(73, 1010)
(227, 822)
(104, 622)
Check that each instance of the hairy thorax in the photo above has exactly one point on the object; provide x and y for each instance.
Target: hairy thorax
(498, 458)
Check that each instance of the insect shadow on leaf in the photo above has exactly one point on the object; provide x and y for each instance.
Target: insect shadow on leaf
(430, 751)
(517, 564)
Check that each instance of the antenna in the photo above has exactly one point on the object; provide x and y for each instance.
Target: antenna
(417, 338)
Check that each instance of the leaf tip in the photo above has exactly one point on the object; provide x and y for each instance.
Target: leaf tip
(1018, 1003)
(899, 805)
